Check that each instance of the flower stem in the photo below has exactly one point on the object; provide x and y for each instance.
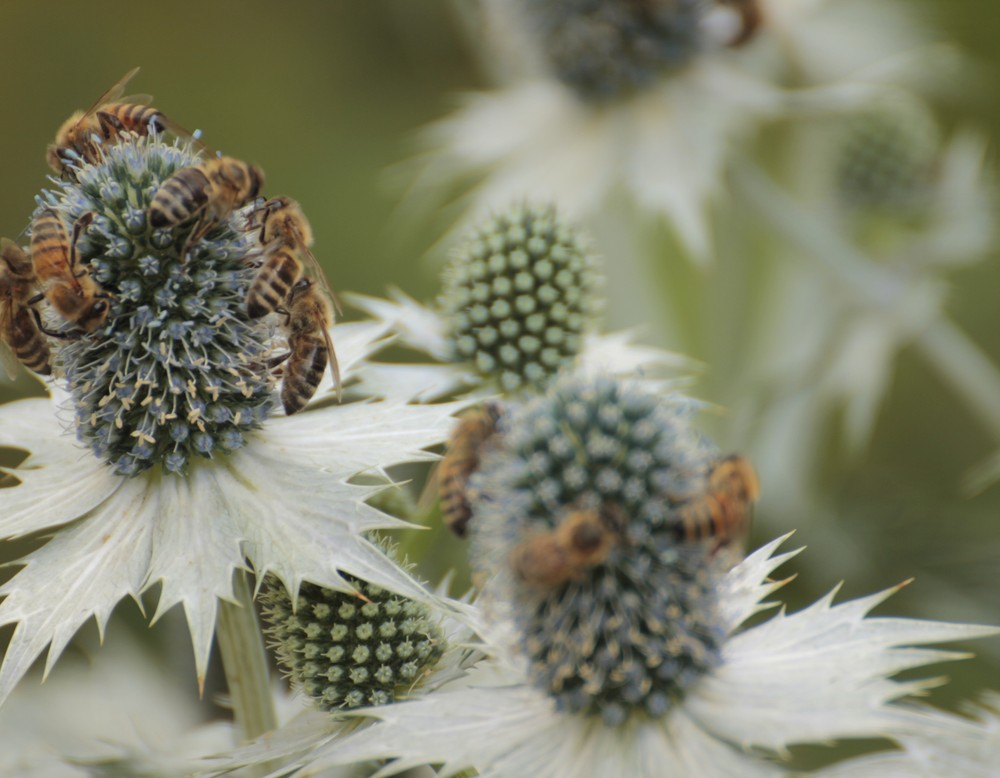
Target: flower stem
(959, 361)
(245, 662)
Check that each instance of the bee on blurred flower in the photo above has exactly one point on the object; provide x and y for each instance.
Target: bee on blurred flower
(81, 134)
(468, 442)
(724, 510)
(74, 295)
(582, 540)
(21, 338)
(751, 17)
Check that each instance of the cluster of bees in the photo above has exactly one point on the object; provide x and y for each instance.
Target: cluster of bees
(583, 539)
(204, 195)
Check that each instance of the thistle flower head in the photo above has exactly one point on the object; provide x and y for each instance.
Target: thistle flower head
(605, 49)
(888, 157)
(177, 370)
(347, 651)
(519, 296)
(617, 614)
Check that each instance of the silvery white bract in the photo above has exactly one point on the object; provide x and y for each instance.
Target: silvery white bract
(283, 501)
(821, 674)
(938, 744)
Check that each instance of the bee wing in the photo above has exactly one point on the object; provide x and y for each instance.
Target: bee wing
(182, 132)
(9, 362)
(334, 364)
(321, 276)
(112, 94)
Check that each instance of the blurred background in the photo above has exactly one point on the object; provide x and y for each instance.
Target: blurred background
(328, 96)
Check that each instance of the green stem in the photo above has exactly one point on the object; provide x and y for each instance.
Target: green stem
(959, 361)
(244, 660)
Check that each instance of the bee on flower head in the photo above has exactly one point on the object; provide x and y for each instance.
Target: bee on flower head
(309, 318)
(82, 134)
(286, 235)
(208, 191)
(67, 287)
(21, 336)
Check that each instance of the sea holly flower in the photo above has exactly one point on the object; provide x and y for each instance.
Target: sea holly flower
(182, 469)
(520, 302)
(648, 99)
(632, 655)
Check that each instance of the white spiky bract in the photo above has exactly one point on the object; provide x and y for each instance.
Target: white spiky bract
(284, 502)
(817, 675)
(938, 744)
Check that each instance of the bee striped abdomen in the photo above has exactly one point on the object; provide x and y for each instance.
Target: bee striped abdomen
(456, 512)
(49, 246)
(133, 117)
(303, 371)
(28, 343)
(273, 283)
(179, 198)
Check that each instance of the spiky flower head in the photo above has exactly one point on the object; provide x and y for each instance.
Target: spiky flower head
(605, 49)
(519, 296)
(177, 370)
(346, 650)
(887, 158)
(619, 616)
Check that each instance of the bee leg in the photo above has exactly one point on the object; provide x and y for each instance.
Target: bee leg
(79, 226)
(198, 231)
(111, 127)
(41, 326)
(273, 362)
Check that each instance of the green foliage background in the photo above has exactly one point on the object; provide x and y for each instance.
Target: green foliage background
(326, 96)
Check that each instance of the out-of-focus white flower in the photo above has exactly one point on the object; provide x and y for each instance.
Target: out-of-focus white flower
(618, 639)
(617, 99)
(283, 501)
(120, 714)
(817, 675)
(938, 744)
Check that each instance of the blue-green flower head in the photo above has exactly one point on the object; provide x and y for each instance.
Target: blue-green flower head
(347, 651)
(519, 295)
(177, 370)
(575, 512)
(888, 157)
(607, 48)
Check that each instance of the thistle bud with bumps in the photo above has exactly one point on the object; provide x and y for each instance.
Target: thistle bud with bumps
(519, 295)
(349, 650)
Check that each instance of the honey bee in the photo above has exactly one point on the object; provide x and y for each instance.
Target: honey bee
(210, 191)
(751, 18)
(310, 349)
(466, 446)
(286, 235)
(581, 541)
(73, 293)
(20, 328)
(103, 121)
(723, 512)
